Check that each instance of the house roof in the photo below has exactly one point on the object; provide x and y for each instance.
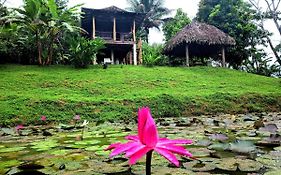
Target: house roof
(198, 34)
(113, 9)
(104, 19)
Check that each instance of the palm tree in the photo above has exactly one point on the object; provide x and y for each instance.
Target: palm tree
(154, 10)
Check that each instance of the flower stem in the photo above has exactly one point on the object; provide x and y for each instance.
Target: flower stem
(148, 162)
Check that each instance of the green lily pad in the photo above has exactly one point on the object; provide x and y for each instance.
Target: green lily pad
(9, 131)
(106, 168)
(199, 166)
(102, 153)
(9, 163)
(59, 152)
(11, 149)
(228, 164)
(219, 146)
(242, 146)
(87, 142)
(273, 172)
(248, 165)
(44, 145)
(200, 152)
(93, 148)
(245, 165)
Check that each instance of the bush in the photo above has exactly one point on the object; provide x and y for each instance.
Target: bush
(83, 51)
(152, 55)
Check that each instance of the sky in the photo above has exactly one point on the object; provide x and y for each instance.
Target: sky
(156, 36)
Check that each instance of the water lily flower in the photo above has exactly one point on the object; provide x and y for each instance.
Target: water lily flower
(19, 127)
(85, 123)
(76, 117)
(147, 141)
(43, 118)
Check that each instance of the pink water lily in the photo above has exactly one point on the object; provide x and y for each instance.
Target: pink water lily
(76, 117)
(19, 127)
(43, 118)
(148, 140)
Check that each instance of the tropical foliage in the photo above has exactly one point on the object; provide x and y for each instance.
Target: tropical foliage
(236, 18)
(155, 11)
(46, 23)
(152, 55)
(83, 51)
(174, 25)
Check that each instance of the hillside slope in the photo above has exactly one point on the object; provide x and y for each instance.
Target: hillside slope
(59, 92)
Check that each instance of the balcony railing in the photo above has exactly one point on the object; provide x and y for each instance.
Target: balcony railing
(119, 36)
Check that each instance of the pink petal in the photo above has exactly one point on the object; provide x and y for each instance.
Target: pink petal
(135, 157)
(122, 148)
(175, 149)
(150, 133)
(168, 155)
(132, 137)
(142, 118)
(134, 149)
(112, 146)
(176, 141)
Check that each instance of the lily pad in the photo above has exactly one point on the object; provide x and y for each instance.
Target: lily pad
(11, 149)
(242, 146)
(272, 128)
(248, 165)
(8, 131)
(87, 142)
(273, 140)
(219, 137)
(228, 164)
(273, 172)
(199, 166)
(44, 145)
(9, 163)
(59, 152)
(219, 146)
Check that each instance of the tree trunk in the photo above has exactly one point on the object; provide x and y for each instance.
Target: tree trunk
(39, 48)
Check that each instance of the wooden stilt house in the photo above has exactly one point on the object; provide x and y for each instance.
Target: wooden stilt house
(118, 28)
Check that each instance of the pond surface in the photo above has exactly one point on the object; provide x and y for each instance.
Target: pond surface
(226, 144)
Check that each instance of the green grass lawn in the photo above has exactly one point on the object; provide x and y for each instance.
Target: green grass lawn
(60, 92)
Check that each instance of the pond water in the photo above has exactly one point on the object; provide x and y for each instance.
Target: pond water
(246, 144)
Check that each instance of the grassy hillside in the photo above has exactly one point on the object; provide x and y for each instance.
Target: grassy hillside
(59, 92)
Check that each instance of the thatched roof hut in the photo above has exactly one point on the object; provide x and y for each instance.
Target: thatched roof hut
(198, 39)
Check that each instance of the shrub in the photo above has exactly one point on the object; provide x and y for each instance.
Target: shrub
(83, 51)
(152, 55)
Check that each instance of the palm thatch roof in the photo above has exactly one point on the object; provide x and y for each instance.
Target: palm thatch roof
(199, 34)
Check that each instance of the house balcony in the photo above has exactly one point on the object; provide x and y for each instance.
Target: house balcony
(125, 38)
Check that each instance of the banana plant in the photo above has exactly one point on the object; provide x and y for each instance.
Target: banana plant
(47, 23)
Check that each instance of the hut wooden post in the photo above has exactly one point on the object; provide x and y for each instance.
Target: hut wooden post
(114, 29)
(94, 28)
(134, 31)
(112, 56)
(187, 55)
(140, 51)
(223, 56)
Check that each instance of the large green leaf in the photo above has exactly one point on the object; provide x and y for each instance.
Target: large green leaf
(53, 8)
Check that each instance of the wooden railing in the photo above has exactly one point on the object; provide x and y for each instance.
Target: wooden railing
(119, 36)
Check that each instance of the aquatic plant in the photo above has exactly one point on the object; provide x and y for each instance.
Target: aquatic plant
(148, 141)
(18, 128)
(43, 118)
(76, 119)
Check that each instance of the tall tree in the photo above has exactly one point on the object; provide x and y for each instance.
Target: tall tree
(272, 12)
(174, 25)
(155, 11)
(234, 17)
